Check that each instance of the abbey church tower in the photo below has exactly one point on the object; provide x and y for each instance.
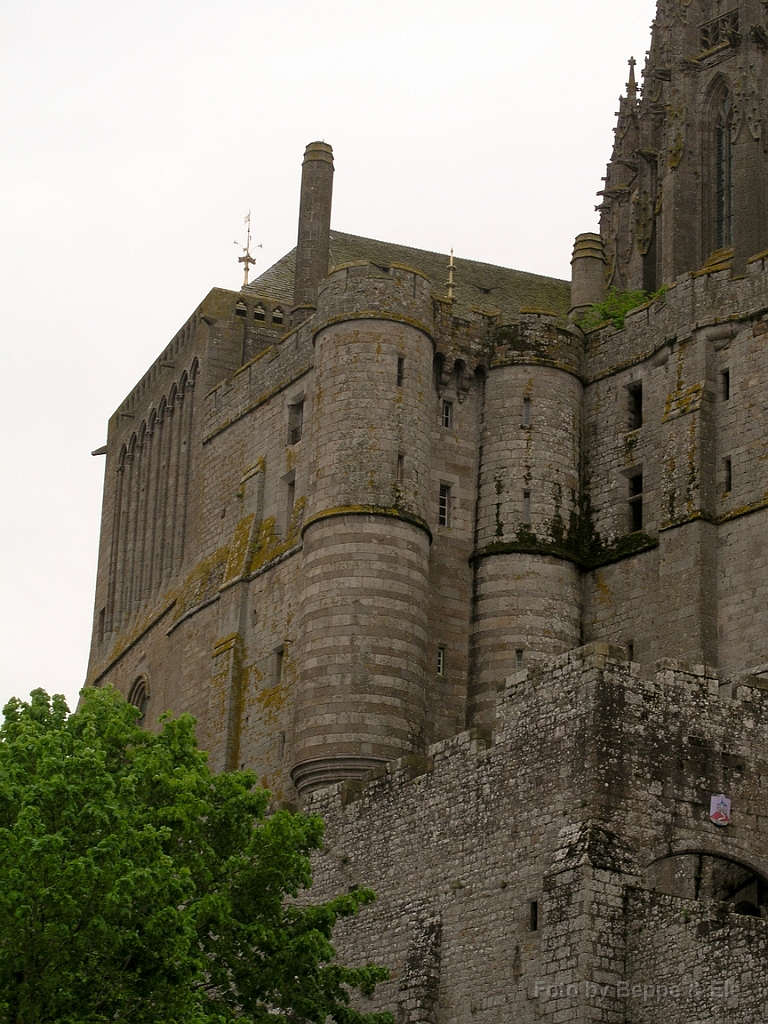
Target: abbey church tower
(687, 180)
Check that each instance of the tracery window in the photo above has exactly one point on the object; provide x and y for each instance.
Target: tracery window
(724, 172)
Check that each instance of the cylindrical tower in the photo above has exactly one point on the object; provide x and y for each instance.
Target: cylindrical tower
(587, 273)
(527, 579)
(362, 638)
(314, 228)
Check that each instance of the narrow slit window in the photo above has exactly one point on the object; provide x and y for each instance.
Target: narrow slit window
(102, 621)
(519, 658)
(400, 370)
(526, 412)
(727, 476)
(279, 664)
(441, 661)
(635, 406)
(290, 501)
(526, 508)
(533, 916)
(444, 506)
(400, 467)
(636, 502)
(725, 385)
(447, 415)
(630, 651)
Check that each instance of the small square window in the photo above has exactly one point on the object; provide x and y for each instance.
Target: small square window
(447, 415)
(444, 506)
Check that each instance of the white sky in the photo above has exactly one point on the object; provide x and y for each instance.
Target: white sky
(135, 137)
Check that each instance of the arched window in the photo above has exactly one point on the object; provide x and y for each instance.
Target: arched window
(139, 696)
(259, 313)
(277, 316)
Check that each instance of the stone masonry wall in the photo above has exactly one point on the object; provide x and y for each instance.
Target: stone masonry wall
(593, 771)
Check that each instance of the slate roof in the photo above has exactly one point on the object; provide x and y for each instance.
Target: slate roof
(479, 286)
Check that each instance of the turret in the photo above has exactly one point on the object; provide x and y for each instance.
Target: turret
(360, 699)
(314, 229)
(527, 580)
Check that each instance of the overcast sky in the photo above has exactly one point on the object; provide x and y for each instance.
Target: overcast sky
(136, 136)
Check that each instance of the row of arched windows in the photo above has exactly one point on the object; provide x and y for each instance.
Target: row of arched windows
(151, 488)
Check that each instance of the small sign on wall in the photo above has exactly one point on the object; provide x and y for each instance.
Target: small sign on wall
(720, 810)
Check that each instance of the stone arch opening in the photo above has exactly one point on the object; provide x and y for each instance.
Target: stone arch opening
(703, 875)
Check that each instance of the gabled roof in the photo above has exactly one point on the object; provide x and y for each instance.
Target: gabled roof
(478, 286)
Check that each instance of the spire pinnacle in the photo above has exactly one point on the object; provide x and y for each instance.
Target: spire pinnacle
(632, 83)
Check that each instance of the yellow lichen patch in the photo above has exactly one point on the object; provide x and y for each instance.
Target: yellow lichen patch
(604, 592)
(202, 582)
(682, 402)
(238, 549)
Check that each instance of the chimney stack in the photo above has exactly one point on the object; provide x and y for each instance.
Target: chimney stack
(314, 229)
(588, 273)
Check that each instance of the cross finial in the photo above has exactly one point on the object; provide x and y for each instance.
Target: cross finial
(246, 259)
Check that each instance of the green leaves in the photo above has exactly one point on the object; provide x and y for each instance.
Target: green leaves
(137, 886)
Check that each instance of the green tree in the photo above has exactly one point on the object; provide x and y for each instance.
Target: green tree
(138, 886)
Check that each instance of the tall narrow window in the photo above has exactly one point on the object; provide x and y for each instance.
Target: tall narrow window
(400, 467)
(724, 173)
(295, 421)
(444, 506)
(278, 666)
(400, 370)
(635, 405)
(526, 412)
(441, 661)
(725, 385)
(526, 508)
(102, 621)
(519, 658)
(636, 502)
(447, 415)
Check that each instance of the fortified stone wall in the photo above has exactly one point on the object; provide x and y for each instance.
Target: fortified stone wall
(697, 449)
(594, 771)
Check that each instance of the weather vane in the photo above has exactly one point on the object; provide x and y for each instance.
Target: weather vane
(246, 258)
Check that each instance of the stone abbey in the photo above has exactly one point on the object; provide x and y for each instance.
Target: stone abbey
(486, 588)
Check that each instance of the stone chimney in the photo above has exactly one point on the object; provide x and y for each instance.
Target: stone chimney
(588, 273)
(314, 229)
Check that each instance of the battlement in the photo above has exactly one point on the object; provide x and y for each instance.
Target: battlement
(363, 290)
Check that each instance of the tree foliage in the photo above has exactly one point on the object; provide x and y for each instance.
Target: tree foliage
(137, 886)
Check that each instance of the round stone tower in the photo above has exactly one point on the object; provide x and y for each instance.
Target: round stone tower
(362, 658)
(527, 580)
